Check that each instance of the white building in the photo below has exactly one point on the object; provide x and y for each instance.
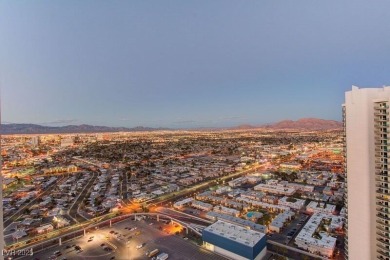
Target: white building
(263, 205)
(301, 187)
(201, 205)
(275, 189)
(315, 207)
(237, 182)
(366, 123)
(225, 210)
(253, 195)
(278, 223)
(182, 203)
(316, 242)
(293, 203)
(214, 216)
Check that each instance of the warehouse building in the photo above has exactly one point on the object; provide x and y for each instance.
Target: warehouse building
(234, 241)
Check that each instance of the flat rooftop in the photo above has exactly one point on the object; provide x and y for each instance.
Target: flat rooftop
(237, 221)
(236, 233)
(306, 234)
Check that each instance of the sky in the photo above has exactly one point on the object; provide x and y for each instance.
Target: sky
(187, 64)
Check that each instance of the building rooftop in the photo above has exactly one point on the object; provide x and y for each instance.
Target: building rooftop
(239, 221)
(235, 232)
(307, 232)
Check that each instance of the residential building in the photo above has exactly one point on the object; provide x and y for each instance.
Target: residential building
(367, 138)
(293, 203)
(225, 210)
(201, 205)
(180, 204)
(316, 242)
(278, 223)
(314, 207)
(214, 216)
(275, 189)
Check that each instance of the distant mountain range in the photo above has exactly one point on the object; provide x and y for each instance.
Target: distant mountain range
(301, 124)
(307, 123)
(39, 129)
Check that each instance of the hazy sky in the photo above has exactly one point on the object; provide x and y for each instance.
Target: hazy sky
(187, 63)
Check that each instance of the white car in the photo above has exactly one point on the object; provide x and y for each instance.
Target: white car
(140, 246)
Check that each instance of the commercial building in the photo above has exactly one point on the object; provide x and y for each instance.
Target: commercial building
(367, 139)
(234, 241)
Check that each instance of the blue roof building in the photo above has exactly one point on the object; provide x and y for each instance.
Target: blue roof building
(234, 241)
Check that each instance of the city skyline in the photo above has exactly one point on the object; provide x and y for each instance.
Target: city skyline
(129, 195)
(194, 64)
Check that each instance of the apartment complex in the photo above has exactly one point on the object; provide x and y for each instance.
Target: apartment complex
(367, 140)
(315, 241)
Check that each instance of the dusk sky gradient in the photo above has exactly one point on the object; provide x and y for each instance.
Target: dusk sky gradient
(187, 63)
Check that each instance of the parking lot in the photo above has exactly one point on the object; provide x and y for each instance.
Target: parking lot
(121, 240)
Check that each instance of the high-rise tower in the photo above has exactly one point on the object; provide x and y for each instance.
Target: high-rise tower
(367, 153)
(2, 242)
